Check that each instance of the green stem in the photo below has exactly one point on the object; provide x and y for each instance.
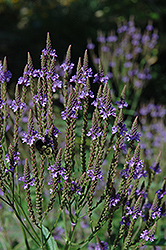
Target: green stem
(22, 228)
(26, 229)
(5, 201)
(27, 220)
(41, 235)
(70, 238)
(64, 223)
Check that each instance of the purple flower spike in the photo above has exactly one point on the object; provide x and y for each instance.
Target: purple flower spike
(101, 39)
(71, 112)
(51, 52)
(149, 27)
(24, 80)
(1, 103)
(17, 105)
(81, 78)
(146, 236)
(30, 137)
(112, 39)
(56, 170)
(90, 46)
(125, 220)
(67, 67)
(114, 200)
(29, 182)
(75, 187)
(12, 165)
(121, 103)
(94, 132)
(105, 107)
(160, 193)
(101, 245)
(5, 76)
(156, 168)
(121, 127)
(41, 99)
(122, 29)
(95, 174)
(102, 79)
(133, 136)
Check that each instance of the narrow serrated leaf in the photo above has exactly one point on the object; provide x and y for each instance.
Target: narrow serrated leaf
(51, 243)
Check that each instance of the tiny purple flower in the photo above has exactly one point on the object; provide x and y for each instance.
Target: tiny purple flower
(90, 46)
(41, 99)
(149, 27)
(67, 66)
(5, 76)
(11, 165)
(1, 103)
(15, 105)
(95, 174)
(101, 39)
(160, 193)
(120, 128)
(29, 137)
(99, 78)
(146, 235)
(121, 103)
(156, 168)
(112, 39)
(57, 171)
(114, 200)
(125, 221)
(122, 29)
(72, 111)
(101, 246)
(75, 187)
(24, 80)
(94, 132)
(28, 182)
(125, 79)
(128, 64)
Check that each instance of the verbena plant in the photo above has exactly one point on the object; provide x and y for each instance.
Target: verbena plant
(127, 54)
(153, 138)
(102, 185)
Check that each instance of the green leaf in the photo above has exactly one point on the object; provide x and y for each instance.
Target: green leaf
(51, 243)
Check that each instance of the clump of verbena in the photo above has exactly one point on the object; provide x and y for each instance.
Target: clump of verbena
(97, 192)
(127, 54)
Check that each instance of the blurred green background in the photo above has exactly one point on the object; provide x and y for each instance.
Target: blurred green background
(24, 24)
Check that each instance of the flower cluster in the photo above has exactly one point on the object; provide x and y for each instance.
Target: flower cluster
(30, 137)
(12, 161)
(138, 166)
(5, 75)
(72, 109)
(95, 174)
(105, 107)
(28, 181)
